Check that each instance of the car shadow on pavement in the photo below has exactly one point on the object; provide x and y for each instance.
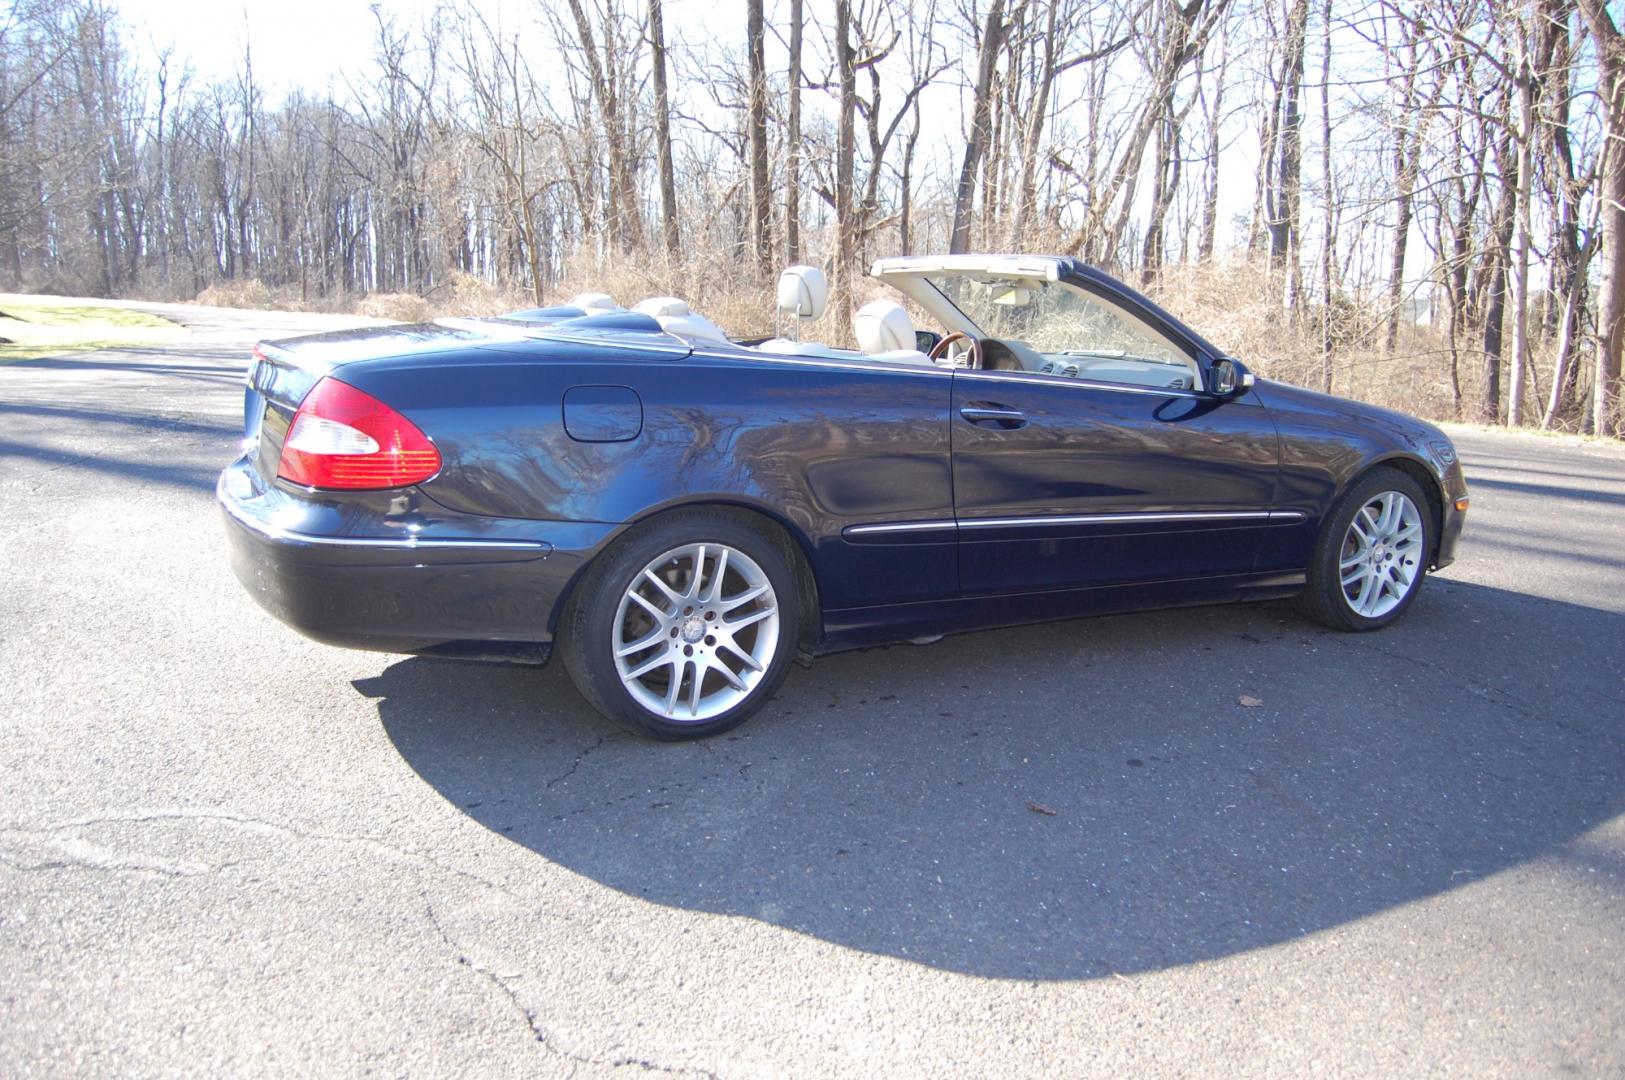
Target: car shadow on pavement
(1071, 800)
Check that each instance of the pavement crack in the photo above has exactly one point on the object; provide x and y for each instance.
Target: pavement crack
(498, 981)
(244, 821)
(654, 1066)
(576, 764)
(113, 864)
(504, 984)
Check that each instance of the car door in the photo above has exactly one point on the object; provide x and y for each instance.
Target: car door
(1086, 449)
(1065, 483)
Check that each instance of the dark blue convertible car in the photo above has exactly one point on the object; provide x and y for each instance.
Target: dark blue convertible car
(683, 516)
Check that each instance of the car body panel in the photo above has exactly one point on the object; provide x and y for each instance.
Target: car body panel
(1106, 484)
(559, 433)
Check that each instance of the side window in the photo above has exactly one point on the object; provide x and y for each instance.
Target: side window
(1053, 328)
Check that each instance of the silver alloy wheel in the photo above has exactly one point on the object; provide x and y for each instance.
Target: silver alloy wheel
(695, 632)
(1381, 559)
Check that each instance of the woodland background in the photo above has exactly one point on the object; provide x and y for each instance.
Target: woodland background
(1418, 202)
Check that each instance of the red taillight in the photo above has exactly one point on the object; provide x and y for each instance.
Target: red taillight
(343, 438)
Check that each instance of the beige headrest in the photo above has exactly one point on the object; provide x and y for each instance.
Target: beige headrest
(594, 303)
(692, 325)
(882, 326)
(657, 306)
(803, 292)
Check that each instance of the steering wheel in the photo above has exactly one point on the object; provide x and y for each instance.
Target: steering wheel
(975, 349)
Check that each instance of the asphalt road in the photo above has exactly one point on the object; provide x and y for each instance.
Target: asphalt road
(224, 849)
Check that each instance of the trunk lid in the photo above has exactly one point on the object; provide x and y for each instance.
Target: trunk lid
(283, 372)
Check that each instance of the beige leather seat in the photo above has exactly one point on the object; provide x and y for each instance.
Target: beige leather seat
(676, 317)
(594, 303)
(803, 296)
(885, 332)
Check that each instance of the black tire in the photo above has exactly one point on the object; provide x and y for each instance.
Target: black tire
(1323, 598)
(595, 621)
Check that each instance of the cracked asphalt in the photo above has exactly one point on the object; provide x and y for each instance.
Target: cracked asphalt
(227, 850)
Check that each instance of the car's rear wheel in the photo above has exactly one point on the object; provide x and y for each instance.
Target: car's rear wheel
(1372, 554)
(683, 629)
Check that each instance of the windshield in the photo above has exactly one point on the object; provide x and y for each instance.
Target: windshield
(1054, 318)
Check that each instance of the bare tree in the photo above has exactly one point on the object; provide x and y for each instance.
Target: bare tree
(1611, 316)
(761, 198)
(792, 143)
(989, 42)
(668, 180)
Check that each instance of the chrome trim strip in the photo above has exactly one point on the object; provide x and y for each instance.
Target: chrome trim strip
(274, 532)
(1040, 379)
(898, 527)
(874, 366)
(1114, 519)
(541, 547)
(1131, 518)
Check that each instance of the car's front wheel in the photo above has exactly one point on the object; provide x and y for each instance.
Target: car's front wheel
(685, 628)
(1372, 554)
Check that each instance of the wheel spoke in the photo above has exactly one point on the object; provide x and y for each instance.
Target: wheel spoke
(749, 619)
(676, 687)
(1385, 513)
(717, 576)
(646, 604)
(725, 606)
(665, 590)
(700, 668)
(1362, 603)
(1355, 573)
(652, 664)
(744, 657)
(727, 673)
(693, 590)
(653, 637)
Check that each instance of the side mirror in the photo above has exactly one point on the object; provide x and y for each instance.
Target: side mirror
(1228, 378)
(926, 340)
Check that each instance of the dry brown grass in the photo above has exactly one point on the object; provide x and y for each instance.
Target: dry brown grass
(243, 293)
(1237, 306)
(396, 307)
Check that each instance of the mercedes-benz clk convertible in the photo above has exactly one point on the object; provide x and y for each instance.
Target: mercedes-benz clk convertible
(681, 516)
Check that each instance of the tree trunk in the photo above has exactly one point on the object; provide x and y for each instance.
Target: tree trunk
(761, 203)
(1496, 280)
(1328, 243)
(668, 182)
(1210, 161)
(792, 140)
(981, 110)
(845, 152)
(1407, 154)
(906, 192)
(1283, 200)
(1611, 314)
(1519, 365)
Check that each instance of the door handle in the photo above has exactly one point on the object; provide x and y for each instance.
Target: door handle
(999, 415)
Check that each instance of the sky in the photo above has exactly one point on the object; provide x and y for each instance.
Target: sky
(296, 43)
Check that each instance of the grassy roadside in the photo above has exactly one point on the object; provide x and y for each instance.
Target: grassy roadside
(36, 326)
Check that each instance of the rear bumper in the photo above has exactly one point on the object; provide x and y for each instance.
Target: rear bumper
(394, 572)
